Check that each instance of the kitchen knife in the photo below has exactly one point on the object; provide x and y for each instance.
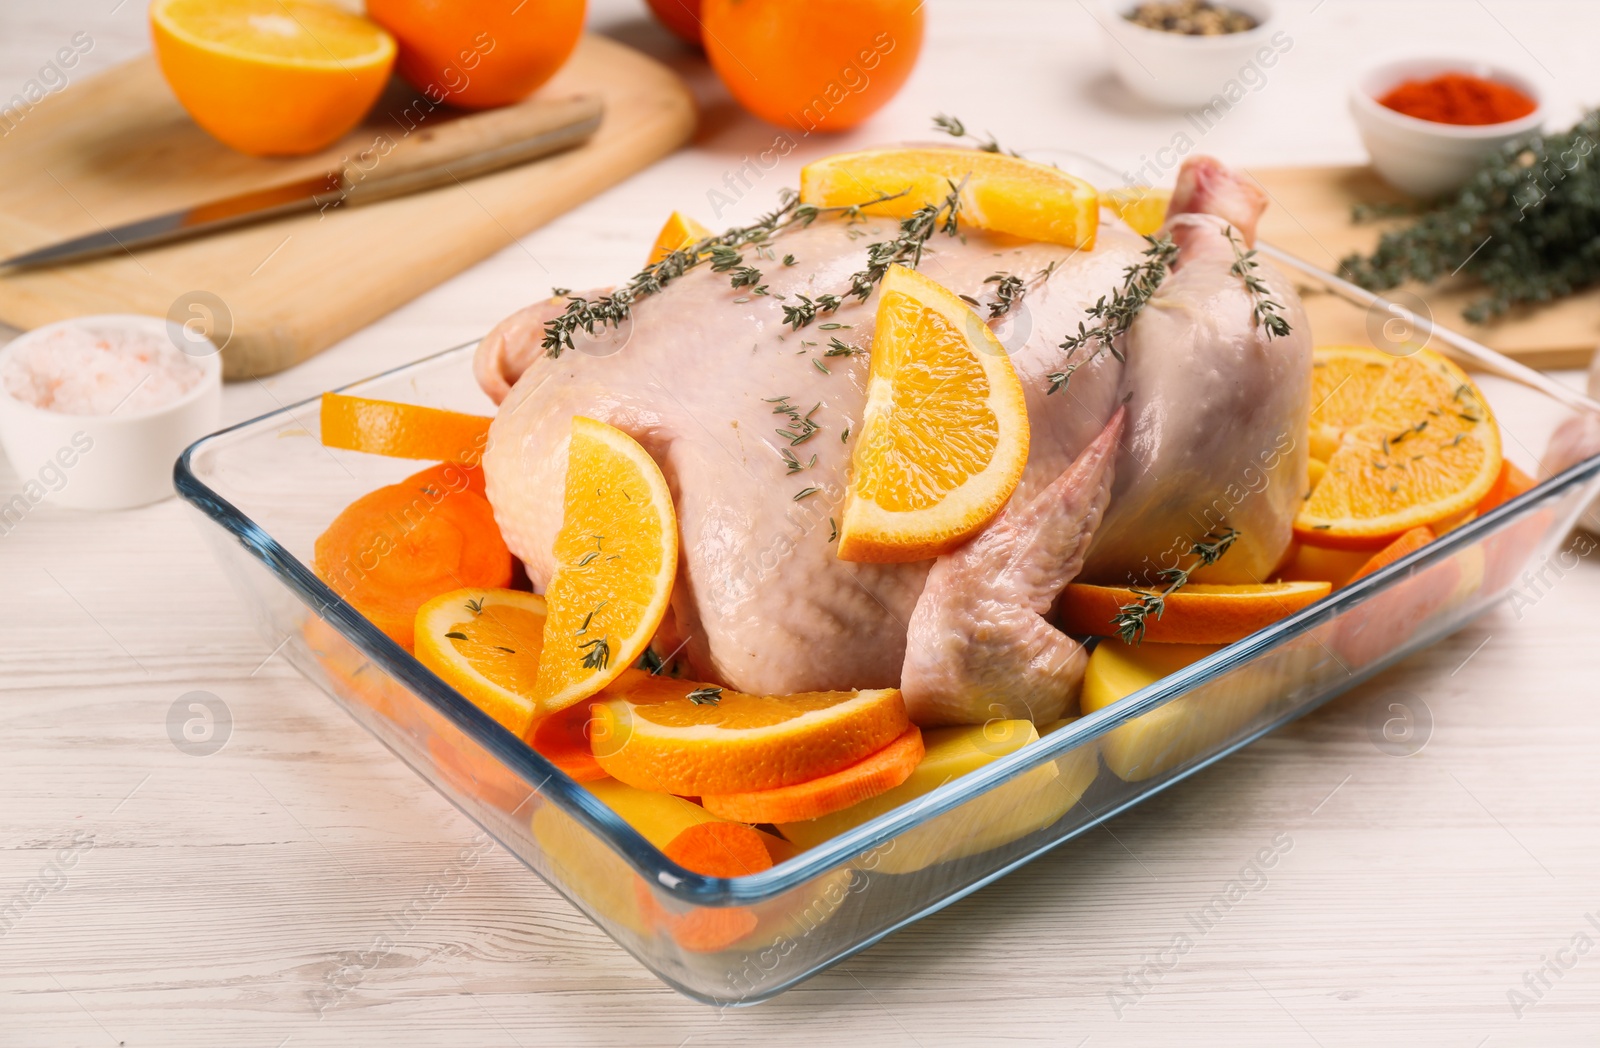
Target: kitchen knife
(427, 157)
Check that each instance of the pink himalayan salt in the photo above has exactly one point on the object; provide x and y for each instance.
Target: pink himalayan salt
(85, 371)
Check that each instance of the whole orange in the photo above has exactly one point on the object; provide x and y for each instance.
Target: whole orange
(480, 53)
(680, 16)
(813, 65)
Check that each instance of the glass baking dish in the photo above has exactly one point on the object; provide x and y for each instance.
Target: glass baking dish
(268, 487)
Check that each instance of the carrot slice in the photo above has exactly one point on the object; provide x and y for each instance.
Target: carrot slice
(878, 773)
(1508, 485)
(716, 849)
(720, 849)
(563, 739)
(1410, 542)
(396, 548)
(387, 427)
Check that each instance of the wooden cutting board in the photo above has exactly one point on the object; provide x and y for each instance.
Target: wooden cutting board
(119, 147)
(1310, 217)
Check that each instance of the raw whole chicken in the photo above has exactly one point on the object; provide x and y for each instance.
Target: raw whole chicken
(1192, 427)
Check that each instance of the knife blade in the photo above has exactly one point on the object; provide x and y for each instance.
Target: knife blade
(425, 158)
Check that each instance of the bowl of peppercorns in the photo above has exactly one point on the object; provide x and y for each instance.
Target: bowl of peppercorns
(1194, 54)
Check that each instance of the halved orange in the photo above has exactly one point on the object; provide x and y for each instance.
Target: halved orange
(271, 76)
(1003, 193)
(388, 427)
(616, 554)
(1196, 614)
(485, 643)
(1421, 447)
(677, 736)
(1143, 208)
(679, 231)
(944, 434)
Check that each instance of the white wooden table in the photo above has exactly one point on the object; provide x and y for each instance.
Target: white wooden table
(169, 899)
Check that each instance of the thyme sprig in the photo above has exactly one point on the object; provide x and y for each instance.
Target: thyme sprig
(721, 250)
(1131, 618)
(1115, 315)
(1526, 226)
(904, 249)
(1008, 291)
(1265, 314)
(707, 696)
(953, 127)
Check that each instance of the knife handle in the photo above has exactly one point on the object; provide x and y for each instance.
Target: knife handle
(467, 146)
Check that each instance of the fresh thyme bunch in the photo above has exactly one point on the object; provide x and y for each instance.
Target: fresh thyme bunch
(1526, 225)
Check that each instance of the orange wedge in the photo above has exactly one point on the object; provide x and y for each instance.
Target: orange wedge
(1003, 193)
(388, 427)
(1417, 444)
(616, 555)
(878, 773)
(679, 231)
(658, 733)
(271, 77)
(485, 643)
(944, 435)
(1144, 209)
(1195, 614)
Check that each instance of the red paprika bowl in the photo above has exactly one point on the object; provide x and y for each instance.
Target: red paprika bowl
(1422, 157)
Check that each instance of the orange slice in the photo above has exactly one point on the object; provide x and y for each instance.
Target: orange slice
(679, 231)
(616, 555)
(878, 773)
(563, 739)
(387, 427)
(1421, 447)
(658, 733)
(1344, 382)
(271, 76)
(1003, 193)
(485, 643)
(1144, 209)
(944, 435)
(1195, 614)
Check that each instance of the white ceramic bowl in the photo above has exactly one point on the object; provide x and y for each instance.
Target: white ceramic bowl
(1421, 157)
(1170, 69)
(103, 461)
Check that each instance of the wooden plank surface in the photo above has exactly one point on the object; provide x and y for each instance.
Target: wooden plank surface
(118, 147)
(1310, 216)
(222, 891)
